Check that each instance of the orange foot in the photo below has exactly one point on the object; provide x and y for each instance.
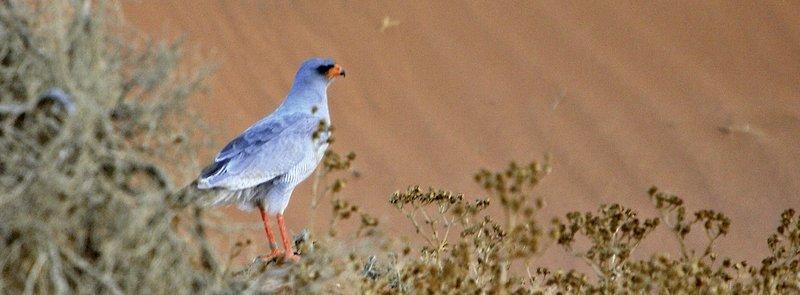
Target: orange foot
(271, 256)
(291, 257)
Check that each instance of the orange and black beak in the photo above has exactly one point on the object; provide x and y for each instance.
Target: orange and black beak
(334, 72)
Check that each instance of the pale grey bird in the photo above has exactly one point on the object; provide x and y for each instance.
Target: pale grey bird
(262, 166)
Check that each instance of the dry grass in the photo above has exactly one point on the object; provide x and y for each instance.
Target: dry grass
(95, 131)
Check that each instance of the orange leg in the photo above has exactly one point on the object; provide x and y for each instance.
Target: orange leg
(289, 253)
(273, 246)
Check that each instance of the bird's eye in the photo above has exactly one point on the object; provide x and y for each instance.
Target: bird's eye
(323, 69)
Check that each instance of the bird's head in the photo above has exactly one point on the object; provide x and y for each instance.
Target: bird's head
(316, 70)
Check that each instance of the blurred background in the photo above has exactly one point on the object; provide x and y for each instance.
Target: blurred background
(701, 99)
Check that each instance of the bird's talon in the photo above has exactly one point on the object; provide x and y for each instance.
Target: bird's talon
(271, 256)
(294, 258)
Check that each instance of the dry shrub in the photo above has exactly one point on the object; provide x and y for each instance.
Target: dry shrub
(466, 250)
(90, 114)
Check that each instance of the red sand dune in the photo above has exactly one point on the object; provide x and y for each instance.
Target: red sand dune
(624, 96)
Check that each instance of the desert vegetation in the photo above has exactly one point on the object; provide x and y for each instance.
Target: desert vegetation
(97, 139)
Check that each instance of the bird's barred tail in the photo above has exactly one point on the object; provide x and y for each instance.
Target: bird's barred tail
(189, 195)
(205, 197)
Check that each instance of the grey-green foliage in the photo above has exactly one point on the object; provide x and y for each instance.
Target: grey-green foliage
(82, 186)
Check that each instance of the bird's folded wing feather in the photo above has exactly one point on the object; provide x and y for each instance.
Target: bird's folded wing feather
(268, 149)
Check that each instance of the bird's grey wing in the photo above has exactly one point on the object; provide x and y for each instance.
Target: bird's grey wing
(260, 132)
(264, 151)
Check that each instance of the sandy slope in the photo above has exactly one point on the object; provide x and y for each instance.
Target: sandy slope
(623, 96)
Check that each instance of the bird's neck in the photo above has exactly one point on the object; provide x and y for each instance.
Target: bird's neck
(308, 96)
